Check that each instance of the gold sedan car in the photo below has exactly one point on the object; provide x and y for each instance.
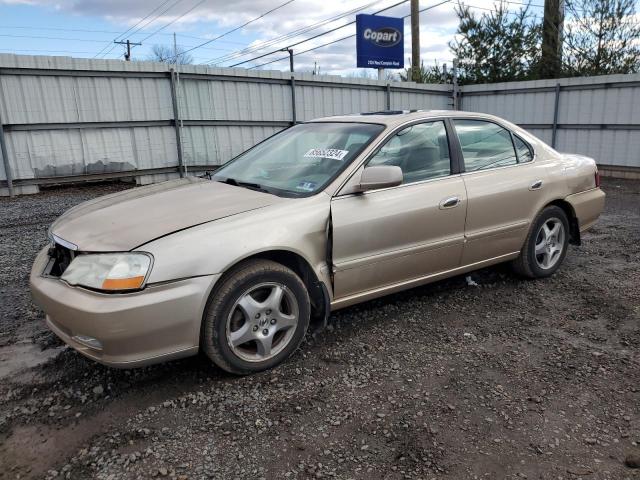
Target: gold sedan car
(323, 215)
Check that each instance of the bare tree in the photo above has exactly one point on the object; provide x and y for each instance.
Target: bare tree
(371, 74)
(601, 37)
(166, 54)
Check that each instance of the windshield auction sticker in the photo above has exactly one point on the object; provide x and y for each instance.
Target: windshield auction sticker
(332, 153)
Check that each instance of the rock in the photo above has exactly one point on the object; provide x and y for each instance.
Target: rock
(590, 441)
(99, 390)
(632, 460)
(579, 471)
(471, 282)
(163, 471)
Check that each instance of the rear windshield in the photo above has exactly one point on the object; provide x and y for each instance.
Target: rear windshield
(301, 160)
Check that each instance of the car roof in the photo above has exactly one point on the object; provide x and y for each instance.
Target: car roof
(392, 118)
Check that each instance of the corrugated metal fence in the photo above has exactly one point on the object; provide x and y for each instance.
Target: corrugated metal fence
(63, 119)
(594, 116)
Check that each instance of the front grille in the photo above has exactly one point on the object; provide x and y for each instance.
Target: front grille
(60, 259)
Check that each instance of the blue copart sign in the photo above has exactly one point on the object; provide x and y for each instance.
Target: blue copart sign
(379, 41)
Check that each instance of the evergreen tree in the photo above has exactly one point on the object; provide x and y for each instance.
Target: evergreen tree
(428, 74)
(601, 37)
(498, 46)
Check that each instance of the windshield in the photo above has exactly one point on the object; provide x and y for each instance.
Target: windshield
(301, 160)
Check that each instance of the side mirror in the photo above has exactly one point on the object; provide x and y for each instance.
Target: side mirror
(380, 176)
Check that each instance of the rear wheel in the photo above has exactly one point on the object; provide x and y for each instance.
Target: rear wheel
(546, 245)
(256, 318)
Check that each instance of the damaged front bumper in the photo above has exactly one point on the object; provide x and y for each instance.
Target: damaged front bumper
(124, 330)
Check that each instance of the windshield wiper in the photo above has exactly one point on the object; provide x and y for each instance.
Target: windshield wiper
(249, 185)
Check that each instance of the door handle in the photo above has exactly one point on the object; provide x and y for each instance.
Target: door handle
(449, 202)
(537, 185)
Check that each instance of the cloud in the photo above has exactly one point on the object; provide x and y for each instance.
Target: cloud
(437, 25)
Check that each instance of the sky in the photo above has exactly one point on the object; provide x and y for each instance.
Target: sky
(87, 29)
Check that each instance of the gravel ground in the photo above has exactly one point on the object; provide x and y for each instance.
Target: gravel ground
(507, 379)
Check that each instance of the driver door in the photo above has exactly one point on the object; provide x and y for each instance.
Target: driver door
(383, 238)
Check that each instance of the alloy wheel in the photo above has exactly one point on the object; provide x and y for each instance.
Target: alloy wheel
(262, 322)
(550, 242)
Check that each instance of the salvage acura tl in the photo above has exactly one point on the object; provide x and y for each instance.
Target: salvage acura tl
(323, 215)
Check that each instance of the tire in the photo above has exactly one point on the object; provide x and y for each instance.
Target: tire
(256, 318)
(536, 259)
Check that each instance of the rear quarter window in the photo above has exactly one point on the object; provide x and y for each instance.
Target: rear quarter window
(524, 151)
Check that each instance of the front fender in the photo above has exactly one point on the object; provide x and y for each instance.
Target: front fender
(297, 225)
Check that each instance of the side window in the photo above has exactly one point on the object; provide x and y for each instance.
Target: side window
(523, 150)
(484, 145)
(421, 151)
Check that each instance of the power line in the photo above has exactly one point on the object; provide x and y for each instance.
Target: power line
(503, 1)
(173, 21)
(341, 39)
(131, 28)
(11, 50)
(112, 32)
(176, 2)
(84, 40)
(50, 38)
(239, 27)
(292, 34)
(300, 31)
(316, 36)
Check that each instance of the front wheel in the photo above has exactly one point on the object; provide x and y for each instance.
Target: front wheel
(256, 318)
(545, 246)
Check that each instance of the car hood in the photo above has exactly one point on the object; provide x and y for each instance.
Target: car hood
(126, 220)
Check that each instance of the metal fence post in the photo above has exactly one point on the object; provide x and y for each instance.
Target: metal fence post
(388, 95)
(3, 150)
(5, 160)
(555, 116)
(176, 121)
(455, 92)
(294, 118)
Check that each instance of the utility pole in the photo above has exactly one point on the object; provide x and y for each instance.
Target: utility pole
(415, 40)
(127, 55)
(175, 49)
(552, 38)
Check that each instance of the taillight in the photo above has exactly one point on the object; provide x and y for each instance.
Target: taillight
(597, 179)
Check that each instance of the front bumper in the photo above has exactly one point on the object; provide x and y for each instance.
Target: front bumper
(159, 323)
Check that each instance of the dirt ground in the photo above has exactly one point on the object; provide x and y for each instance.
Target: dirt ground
(508, 379)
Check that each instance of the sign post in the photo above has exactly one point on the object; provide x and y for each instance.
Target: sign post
(379, 42)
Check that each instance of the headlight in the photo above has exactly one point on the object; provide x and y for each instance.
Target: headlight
(109, 271)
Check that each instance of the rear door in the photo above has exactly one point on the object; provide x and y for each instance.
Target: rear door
(504, 186)
(388, 236)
